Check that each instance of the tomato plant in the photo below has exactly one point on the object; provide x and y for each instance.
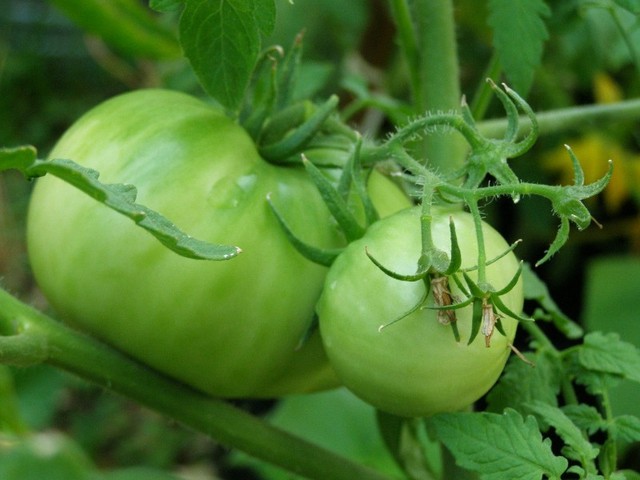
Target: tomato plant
(270, 213)
(206, 324)
(414, 366)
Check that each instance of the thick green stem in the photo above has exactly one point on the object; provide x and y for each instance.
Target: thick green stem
(440, 80)
(104, 366)
(555, 121)
(428, 40)
(407, 38)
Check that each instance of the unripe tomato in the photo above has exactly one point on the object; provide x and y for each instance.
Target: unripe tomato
(413, 367)
(229, 328)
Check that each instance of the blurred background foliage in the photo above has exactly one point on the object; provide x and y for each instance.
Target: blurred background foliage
(58, 59)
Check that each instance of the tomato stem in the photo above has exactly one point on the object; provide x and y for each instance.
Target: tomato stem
(559, 120)
(103, 366)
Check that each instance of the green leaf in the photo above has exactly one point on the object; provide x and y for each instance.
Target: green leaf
(535, 289)
(627, 428)
(118, 197)
(522, 384)
(337, 205)
(499, 446)
(625, 475)
(125, 25)
(165, 5)
(222, 40)
(579, 446)
(519, 34)
(632, 6)
(607, 353)
(135, 473)
(321, 256)
(50, 456)
(586, 417)
(611, 304)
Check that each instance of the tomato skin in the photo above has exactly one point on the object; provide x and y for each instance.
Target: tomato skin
(228, 328)
(413, 367)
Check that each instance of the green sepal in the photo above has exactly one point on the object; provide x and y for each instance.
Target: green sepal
(453, 306)
(412, 277)
(516, 149)
(499, 327)
(476, 319)
(353, 175)
(118, 197)
(288, 74)
(455, 255)
(267, 101)
(317, 255)
(500, 306)
(512, 283)
(413, 309)
(511, 110)
(277, 126)
(496, 258)
(260, 98)
(296, 140)
(475, 290)
(460, 285)
(559, 240)
(337, 205)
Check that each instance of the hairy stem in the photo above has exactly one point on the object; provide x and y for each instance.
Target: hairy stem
(428, 41)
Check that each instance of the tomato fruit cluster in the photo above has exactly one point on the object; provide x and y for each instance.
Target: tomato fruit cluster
(228, 328)
(413, 367)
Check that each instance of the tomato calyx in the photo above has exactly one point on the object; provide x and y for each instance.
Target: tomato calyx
(283, 124)
(338, 196)
(484, 298)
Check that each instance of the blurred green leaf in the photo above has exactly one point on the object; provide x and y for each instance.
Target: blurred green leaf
(40, 391)
(519, 34)
(535, 289)
(627, 428)
(632, 5)
(609, 354)
(611, 304)
(49, 456)
(125, 25)
(54, 456)
(165, 5)
(336, 420)
(134, 473)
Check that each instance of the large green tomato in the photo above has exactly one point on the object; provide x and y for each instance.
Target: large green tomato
(413, 367)
(228, 328)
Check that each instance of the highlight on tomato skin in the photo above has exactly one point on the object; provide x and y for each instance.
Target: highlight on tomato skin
(230, 328)
(413, 367)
